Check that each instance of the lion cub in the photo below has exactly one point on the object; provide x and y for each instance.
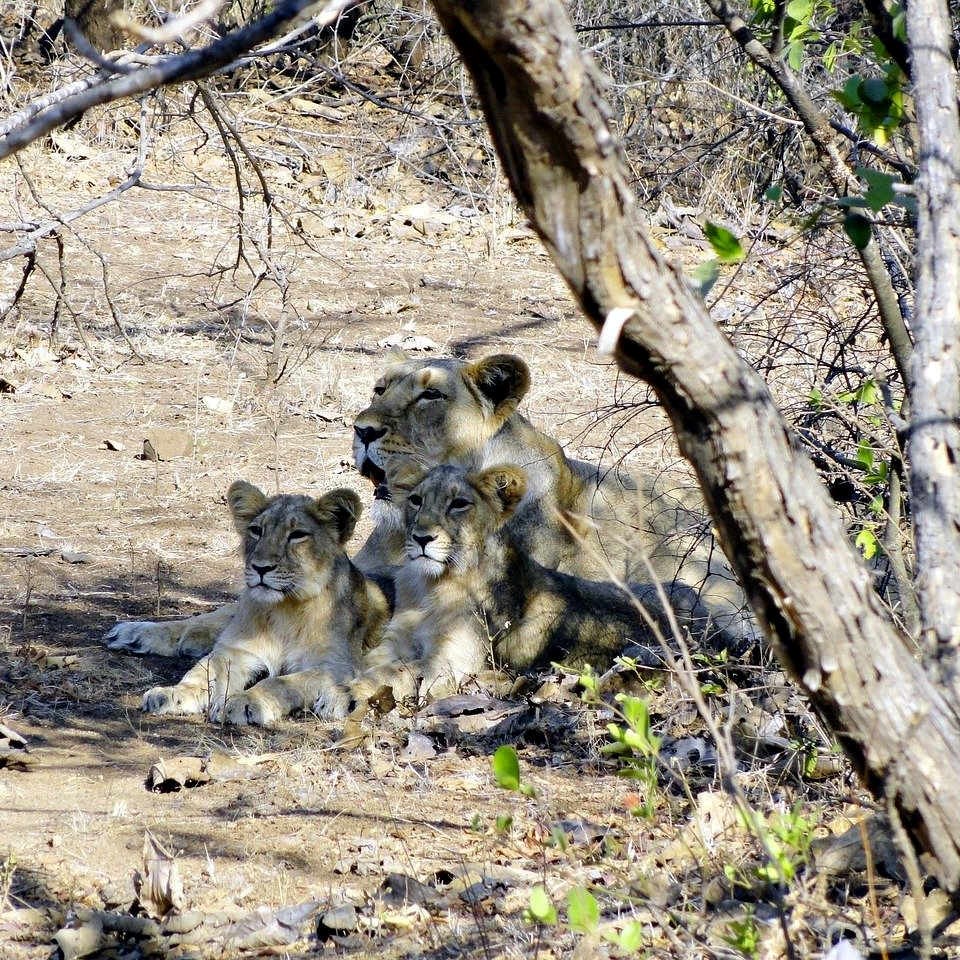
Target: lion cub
(302, 622)
(467, 593)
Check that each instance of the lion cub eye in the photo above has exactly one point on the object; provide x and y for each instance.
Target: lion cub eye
(377, 390)
(459, 503)
(431, 393)
(255, 530)
(297, 535)
(415, 501)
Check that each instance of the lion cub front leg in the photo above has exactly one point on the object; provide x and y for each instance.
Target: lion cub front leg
(276, 697)
(193, 636)
(206, 686)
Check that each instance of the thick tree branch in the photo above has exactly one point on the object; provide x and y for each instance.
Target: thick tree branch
(934, 440)
(552, 130)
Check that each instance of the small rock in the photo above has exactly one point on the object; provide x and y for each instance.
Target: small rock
(398, 889)
(419, 747)
(167, 443)
(338, 920)
(218, 405)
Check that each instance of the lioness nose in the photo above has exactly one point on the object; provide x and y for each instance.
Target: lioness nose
(368, 434)
(262, 570)
(423, 539)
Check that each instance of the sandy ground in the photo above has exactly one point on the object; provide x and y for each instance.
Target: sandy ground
(91, 533)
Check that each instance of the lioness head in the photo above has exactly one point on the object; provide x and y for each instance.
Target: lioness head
(290, 542)
(450, 514)
(442, 410)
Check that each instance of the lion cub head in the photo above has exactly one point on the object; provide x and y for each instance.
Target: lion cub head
(442, 409)
(450, 514)
(290, 542)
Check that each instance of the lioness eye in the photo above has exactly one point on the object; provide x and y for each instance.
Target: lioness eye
(298, 535)
(415, 501)
(377, 390)
(255, 530)
(431, 394)
(459, 503)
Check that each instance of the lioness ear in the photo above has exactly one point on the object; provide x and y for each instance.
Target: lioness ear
(343, 507)
(245, 502)
(503, 379)
(505, 486)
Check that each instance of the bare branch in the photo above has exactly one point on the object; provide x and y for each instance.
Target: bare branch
(174, 69)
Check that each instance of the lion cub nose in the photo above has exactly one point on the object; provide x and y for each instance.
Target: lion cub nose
(368, 434)
(423, 539)
(263, 570)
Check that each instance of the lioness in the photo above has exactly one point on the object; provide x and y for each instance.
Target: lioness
(303, 619)
(469, 592)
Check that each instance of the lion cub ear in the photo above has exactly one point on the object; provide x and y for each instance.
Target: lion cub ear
(505, 486)
(342, 507)
(502, 378)
(245, 502)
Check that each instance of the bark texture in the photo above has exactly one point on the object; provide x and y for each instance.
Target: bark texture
(934, 438)
(543, 102)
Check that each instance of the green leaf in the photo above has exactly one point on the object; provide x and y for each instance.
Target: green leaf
(874, 90)
(583, 912)
(857, 228)
(773, 194)
(725, 245)
(795, 54)
(849, 96)
(830, 56)
(865, 454)
(631, 939)
(506, 768)
(880, 187)
(815, 396)
(541, 907)
(800, 9)
(706, 275)
(867, 543)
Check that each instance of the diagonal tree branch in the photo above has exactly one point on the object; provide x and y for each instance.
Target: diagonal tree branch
(842, 179)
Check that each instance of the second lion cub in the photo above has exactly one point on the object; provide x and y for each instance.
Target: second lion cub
(302, 622)
(467, 593)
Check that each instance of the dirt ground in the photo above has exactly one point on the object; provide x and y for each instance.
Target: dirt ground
(407, 830)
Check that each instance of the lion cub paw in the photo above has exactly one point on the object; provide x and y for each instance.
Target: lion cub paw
(248, 710)
(144, 636)
(171, 700)
(332, 703)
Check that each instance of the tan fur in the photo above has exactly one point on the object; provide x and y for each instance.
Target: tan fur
(303, 620)
(575, 517)
(467, 595)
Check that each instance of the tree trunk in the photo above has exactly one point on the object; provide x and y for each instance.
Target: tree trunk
(543, 104)
(934, 440)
